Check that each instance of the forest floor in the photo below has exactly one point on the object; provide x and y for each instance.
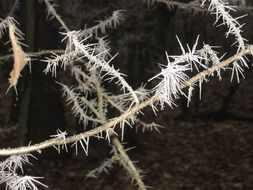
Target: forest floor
(187, 155)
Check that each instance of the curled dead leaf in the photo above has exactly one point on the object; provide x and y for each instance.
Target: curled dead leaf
(20, 58)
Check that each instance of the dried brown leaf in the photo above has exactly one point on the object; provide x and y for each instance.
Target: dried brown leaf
(20, 58)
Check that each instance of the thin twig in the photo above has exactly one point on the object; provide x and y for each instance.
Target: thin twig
(52, 11)
(34, 54)
(194, 5)
(128, 164)
(116, 120)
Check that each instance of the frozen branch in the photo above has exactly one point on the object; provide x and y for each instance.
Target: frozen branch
(133, 172)
(109, 22)
(113, 122)
(222, 10)
(52, 11)
(195, 5)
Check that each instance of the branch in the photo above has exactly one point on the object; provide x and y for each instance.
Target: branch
(54, 142)
(110, 22)
(223, 64)
(194, 5)
(51, 11)
(127, 163)
(34, 54)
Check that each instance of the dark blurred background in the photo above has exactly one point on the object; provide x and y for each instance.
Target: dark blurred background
(205, 146)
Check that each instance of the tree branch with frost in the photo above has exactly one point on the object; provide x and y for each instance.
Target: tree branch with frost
(222, 11)
(148, 126)
(210, 57)
(104, 167)
(56, 60)
(119, 105)
(192, 5)
(133, 172)
(78, 105)
(67, 57)
(173, 79)
(8, 173)
(222, 65)
(24, 182)
(195, 5)
(75, 42)
(15, 162)
(34, 54)
(135, 109)
(173, 75)
(121, 157)
(109, 22)
(97, 62)
(52, 11)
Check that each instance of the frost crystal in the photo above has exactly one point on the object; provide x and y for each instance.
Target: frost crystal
(172, 77)
(222, 11)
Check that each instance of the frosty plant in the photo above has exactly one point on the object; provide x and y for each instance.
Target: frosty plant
(91, 64)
